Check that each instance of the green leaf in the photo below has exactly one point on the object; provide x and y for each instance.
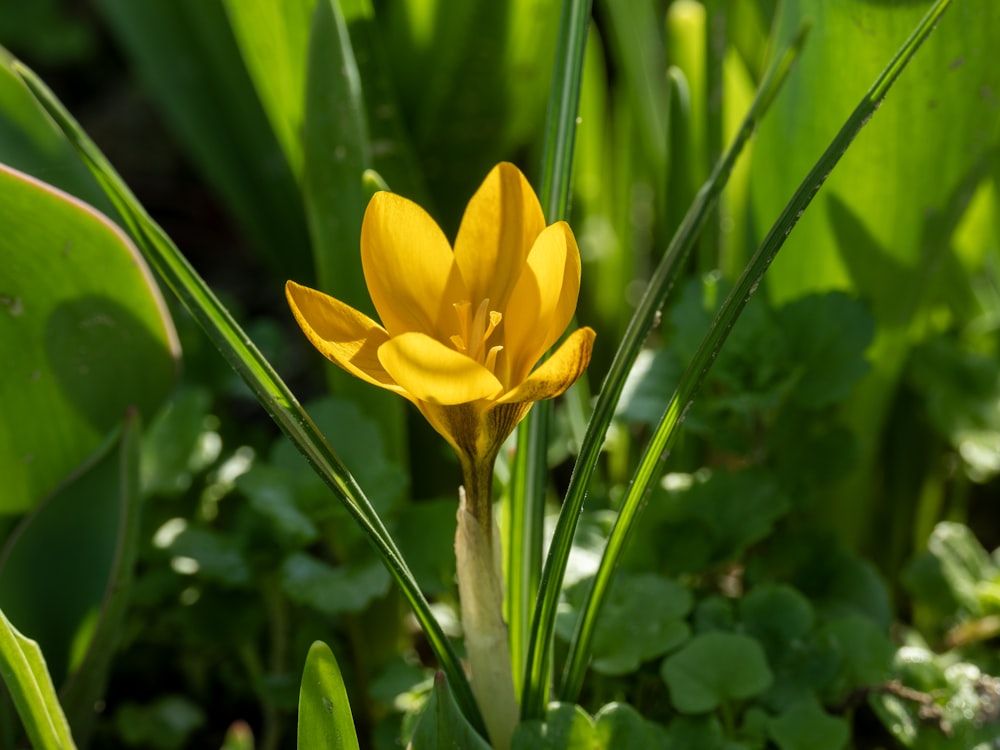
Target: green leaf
(30, 142)
(273, 38)
(806, 726)
(325, 720)
(177, 444)
(188, 61)
(566, 727)
(273, 496)
(97, 639)
(827, 338)
(621, 726)
(715, 518)
(165, 723)
(217, 557)
(713, 669)
(442, 724)
(73, 602)
(964, 563)
(643, 618)
(865, 652)
(776, 615)
(333, 591)
(84, 335)
(27, 680)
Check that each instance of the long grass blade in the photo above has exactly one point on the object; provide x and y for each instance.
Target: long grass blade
(529, 469)
(667, 272)
(256, 371)
(651, 464)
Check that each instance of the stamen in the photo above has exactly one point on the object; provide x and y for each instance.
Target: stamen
(475, 330)
(491, 358)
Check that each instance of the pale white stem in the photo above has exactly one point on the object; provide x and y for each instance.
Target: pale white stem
(480, 589)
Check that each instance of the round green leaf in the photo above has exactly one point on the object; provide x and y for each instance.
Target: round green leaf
(715, 668)
(806, 726)
(84, 335)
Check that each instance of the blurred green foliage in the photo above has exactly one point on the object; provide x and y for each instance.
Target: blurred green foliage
(812, 571)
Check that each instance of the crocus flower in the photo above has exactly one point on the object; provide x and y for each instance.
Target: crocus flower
(461, 336)
(461, 330)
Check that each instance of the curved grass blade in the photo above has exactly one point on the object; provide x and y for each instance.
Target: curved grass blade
(651, 464)
(529, 467)
(534, 694)
(256, 371)
(26, 677)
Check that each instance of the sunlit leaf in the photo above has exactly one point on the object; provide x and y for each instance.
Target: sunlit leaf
(83, 331)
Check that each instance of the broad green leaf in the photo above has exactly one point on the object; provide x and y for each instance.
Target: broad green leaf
(714, 669)
(27, 680)
(177, 444)
(273, 38)
(618, 725)
(883, 222)
(72, 602)
(442, 724)
(865, 652)
(187, 59)
(325, 720)
(311, 582)
(273, 496)
(806, 726)
(97, 639)
(565, 727)
(776, 615)
(212, 555)
(84, 334)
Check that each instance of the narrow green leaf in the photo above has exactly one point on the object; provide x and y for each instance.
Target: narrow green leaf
(22, 667)
(325, 720)
(30, 142)
(655, 454)
(337, 153)
(84, 335)
(642, 322)
(530, 469)
(188, 60)
(257, 372)
(273, 38)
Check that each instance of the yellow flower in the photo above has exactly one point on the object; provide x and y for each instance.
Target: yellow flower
(461, 330)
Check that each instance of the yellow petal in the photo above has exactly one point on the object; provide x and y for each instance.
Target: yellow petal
(498, 228)
(434, 372)
(558, 372)
(343, 335)
(543, 300)
(409, 268)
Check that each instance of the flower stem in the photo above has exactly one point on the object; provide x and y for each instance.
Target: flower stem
(480, 589)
